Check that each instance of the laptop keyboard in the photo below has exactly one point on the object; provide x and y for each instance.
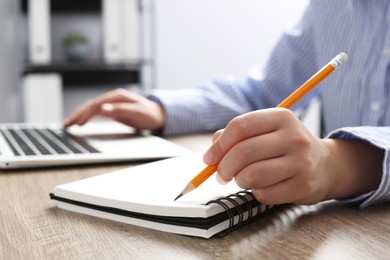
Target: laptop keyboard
(44, 141)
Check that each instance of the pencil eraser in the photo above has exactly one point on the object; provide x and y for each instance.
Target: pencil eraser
(338, 60)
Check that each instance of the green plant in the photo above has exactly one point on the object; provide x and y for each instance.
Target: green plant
(74, 37)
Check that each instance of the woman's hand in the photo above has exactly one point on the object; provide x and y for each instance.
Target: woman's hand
(271, 152)
(123, 106)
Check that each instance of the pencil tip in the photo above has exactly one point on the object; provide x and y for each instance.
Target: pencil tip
(181, 194)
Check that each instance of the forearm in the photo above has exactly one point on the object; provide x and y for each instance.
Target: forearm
(207, 107)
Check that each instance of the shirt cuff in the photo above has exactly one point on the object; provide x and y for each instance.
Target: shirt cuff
(181, 116)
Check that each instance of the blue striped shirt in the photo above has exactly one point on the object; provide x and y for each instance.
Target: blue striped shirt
(354, 99)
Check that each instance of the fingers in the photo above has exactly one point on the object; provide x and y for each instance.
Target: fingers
(82, 114)
(217, 134)
(263, 174)
(251, 150)
(118, 95)
(292, 190)
(140, 114)
(93, 107)
(277, 181)
(271, 153)
(243, 127)
(126, 113)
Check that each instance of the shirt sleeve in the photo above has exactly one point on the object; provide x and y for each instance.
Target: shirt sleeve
(379, 137)
(212, 104)
(207, 107)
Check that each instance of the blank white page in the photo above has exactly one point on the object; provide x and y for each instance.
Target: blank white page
(151, 188)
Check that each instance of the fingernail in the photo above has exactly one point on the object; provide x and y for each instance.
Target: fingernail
(221, 180)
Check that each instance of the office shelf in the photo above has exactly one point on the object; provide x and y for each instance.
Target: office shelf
(108, 66)
(90, 73)
(78, 6)
(100, 71)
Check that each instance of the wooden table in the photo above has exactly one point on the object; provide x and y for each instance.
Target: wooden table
(32, 227)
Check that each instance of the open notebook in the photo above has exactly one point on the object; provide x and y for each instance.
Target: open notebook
(144, 196)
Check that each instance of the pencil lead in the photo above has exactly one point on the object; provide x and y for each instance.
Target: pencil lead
(181, 194)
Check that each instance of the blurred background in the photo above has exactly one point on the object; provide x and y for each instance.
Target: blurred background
(55, 54)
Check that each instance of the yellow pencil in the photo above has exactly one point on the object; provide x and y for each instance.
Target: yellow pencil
(287, 103)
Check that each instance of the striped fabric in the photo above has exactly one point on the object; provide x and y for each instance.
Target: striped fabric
(354, 98)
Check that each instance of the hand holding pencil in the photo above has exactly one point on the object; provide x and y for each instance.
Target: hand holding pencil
(269, 151)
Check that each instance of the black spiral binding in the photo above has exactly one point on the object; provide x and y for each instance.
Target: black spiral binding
(227, 210)
(246, 207)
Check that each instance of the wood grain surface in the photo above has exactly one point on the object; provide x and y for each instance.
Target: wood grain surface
(32, 227)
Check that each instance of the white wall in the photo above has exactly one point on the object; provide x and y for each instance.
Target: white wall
(200, 39)
(196, 40)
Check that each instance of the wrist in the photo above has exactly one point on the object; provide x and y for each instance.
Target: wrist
(354, 167)
(160, 115)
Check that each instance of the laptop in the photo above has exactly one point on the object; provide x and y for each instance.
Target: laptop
(27, 145)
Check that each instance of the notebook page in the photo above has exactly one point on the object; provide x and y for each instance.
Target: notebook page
(151, 189)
